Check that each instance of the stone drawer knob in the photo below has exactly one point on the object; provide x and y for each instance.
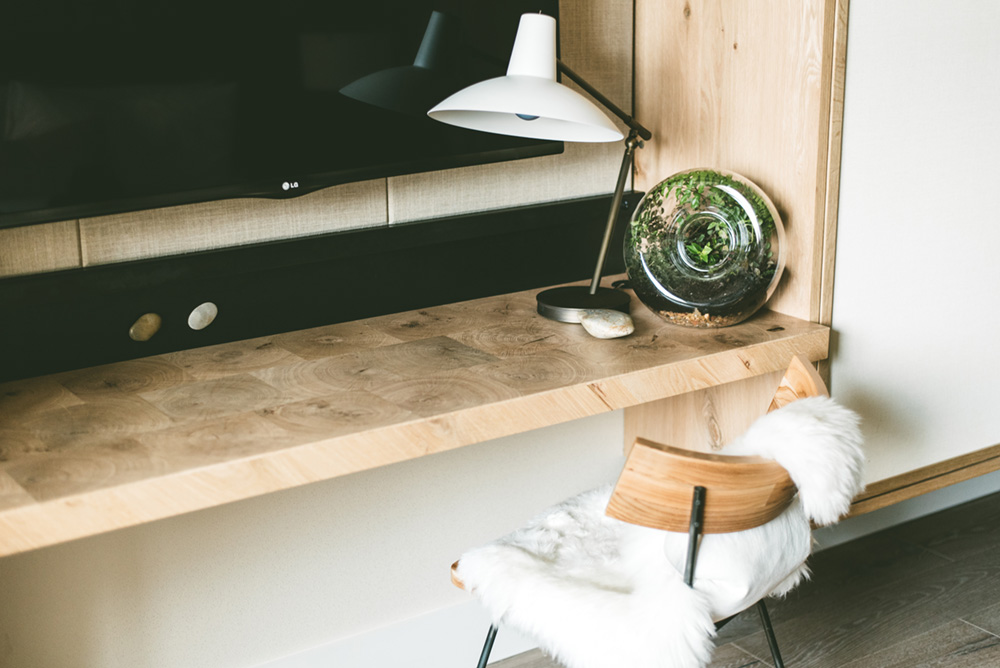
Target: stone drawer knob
(145, 327)
(202, 316)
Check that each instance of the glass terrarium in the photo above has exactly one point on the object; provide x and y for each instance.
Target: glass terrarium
(705, 248)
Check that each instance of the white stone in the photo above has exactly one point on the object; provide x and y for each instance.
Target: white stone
(607, 324)
(203, 315)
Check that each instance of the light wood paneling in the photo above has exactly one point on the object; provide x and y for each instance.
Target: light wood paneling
(705, 420)
(756, 88)
(182, 229)
(837, 74)
(39, 248)
(127, 443)
(926, 479)
(745, 86)
(708, 419)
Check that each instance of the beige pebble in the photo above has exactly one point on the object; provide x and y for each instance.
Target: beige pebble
(607, 324)
(145, 327)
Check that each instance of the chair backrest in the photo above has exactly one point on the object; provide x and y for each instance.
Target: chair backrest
(655, 487)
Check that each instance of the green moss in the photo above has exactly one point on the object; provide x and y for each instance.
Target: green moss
(696, 233)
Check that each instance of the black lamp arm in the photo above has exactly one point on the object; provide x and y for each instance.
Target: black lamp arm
(631, 143)
(611, 106)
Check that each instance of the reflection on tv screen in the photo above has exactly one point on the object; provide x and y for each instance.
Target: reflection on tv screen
(117, 105)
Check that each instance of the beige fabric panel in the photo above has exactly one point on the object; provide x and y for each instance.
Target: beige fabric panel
(596, 42)
(38, 248)
(583, 169)
(233, 222)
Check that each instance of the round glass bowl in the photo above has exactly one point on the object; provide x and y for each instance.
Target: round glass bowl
(705, 248)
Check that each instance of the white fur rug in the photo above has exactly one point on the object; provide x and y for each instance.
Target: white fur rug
(599, 593)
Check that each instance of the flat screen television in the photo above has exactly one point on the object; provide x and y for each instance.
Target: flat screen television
(109, 106)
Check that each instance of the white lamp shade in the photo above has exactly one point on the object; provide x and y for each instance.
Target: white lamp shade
(528, 102)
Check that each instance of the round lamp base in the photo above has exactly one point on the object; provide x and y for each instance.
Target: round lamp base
(567, 304)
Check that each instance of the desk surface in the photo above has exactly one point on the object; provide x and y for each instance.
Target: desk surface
(89, 451)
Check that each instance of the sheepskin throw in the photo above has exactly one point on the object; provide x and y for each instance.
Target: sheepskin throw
(596, 592)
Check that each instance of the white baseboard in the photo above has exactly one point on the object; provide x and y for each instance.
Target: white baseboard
(446, 638)
(453, 637)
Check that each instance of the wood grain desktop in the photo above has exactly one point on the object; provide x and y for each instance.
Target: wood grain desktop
(93, 450)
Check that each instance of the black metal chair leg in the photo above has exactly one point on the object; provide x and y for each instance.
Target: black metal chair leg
(695, 527)
(765, 621)
(488, 647)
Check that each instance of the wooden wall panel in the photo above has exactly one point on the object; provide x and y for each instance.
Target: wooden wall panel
(741, 85)
(838, 72)
(755, 87)
(705, 420)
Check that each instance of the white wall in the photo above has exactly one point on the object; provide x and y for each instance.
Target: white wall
(253, 581)
(917, 292)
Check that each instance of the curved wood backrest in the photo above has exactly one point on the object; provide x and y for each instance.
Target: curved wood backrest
(801, 380)
(655, 487)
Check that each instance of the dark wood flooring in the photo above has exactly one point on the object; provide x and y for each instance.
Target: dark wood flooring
(924, 593)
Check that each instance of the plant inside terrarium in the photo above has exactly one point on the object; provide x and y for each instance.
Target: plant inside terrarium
(701, 249)
(707, 247)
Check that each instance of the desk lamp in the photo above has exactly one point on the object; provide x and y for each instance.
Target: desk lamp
(529, 102)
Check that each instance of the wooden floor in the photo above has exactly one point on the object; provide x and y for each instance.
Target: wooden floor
(925, 593)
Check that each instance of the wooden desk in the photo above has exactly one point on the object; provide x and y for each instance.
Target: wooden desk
(89, 451)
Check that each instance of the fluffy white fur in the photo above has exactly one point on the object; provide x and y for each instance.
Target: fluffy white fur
(819, 443)
(599, 593)
(594, 592)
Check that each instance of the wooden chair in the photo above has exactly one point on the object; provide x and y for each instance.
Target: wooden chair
(697, 493)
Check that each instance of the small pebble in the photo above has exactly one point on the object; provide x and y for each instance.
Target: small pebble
(202, 316)
(607, 324)
(145, 327)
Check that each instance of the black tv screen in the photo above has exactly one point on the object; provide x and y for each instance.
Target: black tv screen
(109, 106)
